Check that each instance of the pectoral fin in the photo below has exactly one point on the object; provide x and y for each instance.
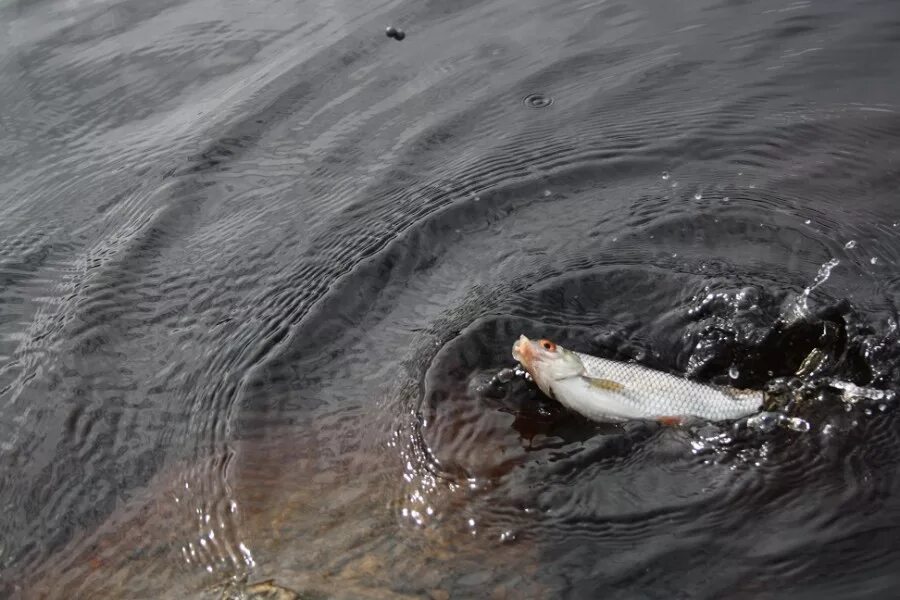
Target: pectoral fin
(605, 384)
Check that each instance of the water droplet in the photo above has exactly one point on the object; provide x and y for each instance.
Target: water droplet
(827, 429)
(868, 412)
(538, 101)
(726, 199)
(850, 245)
(882, 407)
(665, 175)
(797, 424)
(733, 372)
(873, 260)
(393, 32)
(698, 196)
(808, 221)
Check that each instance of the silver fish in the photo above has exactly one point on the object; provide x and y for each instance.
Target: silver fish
(608, 390)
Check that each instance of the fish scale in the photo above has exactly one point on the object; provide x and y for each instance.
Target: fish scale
(647, 393)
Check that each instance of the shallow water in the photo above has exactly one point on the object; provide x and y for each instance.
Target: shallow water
(260, 264)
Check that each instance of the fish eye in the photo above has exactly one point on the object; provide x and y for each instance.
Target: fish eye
(548, 345)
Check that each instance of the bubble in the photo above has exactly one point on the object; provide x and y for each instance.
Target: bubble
(808, 221)
(665, 175)
(873, 260)
(850, 245)
(733, 372)
(726, 199)
(698, 196)
(538, 101)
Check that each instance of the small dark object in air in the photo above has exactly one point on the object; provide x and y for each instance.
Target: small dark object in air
(393, 32)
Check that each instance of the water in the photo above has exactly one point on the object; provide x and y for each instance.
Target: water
(260, 264)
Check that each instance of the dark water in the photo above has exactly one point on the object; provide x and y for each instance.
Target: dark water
(259, 264)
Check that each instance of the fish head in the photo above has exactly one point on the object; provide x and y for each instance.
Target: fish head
(546, 362)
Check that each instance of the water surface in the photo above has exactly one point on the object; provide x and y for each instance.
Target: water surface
(260, 263)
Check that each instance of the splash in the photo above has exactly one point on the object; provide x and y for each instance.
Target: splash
(799, 309)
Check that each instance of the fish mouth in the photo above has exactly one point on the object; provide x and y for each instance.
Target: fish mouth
(522, 351)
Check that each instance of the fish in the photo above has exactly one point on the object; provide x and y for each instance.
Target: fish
(613, 391)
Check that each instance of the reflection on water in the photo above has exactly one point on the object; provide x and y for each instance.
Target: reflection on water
(262, 265)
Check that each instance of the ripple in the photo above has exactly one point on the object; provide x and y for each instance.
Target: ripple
(260, 271)
(537, 101)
